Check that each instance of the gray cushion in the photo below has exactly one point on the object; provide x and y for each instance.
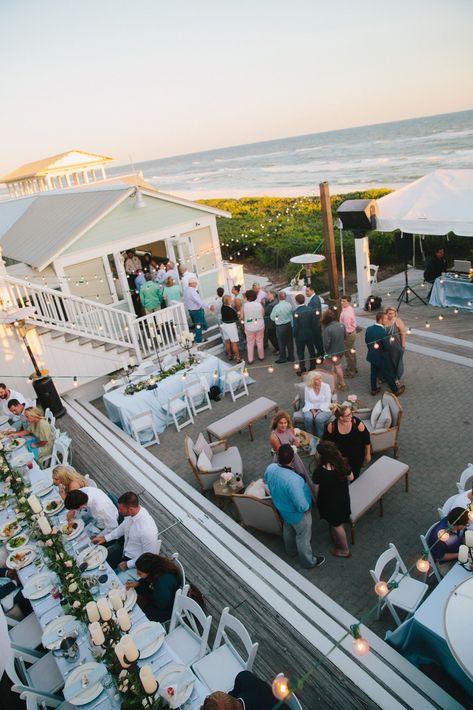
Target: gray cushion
(230, 458)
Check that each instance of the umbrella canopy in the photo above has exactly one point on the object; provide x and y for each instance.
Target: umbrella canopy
(307, 258)
(438, 203)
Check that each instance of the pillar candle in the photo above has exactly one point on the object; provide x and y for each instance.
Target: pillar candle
(120, 653)
(44, 525)
(463, 554)
(92, 610)
(96, 633)
(104, 608)
(148, 681)
(115, 599)
(123, 619)
(34, 504)
(129, 646)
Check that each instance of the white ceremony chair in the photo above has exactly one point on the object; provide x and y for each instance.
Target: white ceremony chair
(189, 629)
(26, 633)
(197, 392)
(60, 452)
(410, 592)
(234, 380)
(447, 506)
(291, 701)
(219, 668)
(183, 586)
(144, 421)
(51, 419)
(374, 274)
(177, 408)
(36, 700)
(433, 569)
(466, 479)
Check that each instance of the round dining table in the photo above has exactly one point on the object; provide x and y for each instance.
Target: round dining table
(458, 619)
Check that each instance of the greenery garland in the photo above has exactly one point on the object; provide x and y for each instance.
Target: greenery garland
(152, 381)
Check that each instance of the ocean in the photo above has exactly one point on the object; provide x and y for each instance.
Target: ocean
(381, 155)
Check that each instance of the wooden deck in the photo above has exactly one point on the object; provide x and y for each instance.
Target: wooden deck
(288, 641)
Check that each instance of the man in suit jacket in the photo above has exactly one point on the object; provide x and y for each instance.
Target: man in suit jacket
(377, 356)
(303, 329)
(249, 693)
(315, 305)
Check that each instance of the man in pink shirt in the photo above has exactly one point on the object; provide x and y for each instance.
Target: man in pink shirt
(348, 318)
(260, 294)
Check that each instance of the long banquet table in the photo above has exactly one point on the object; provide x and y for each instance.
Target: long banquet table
(422, 638)
(451, 292)
(120, 406)
(47, 609)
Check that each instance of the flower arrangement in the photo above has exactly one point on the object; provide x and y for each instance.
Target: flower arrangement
(150, 382)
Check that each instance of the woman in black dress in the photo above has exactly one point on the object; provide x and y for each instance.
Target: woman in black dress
(350, 436)
(331, 479)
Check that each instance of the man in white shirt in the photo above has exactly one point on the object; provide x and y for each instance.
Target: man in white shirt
(6, 394)
(98, 505)
(138, 530)
(186, 276)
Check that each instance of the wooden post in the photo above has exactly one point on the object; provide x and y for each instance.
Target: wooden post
(329, 239)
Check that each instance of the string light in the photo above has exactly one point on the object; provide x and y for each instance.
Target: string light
(75, 381)
(296, 366)
(427, 324)
(270, 369)
(423, 563)
(360, 644)
(443, 535)
(280, 686)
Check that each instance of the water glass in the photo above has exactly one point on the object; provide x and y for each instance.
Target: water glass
(111, 689)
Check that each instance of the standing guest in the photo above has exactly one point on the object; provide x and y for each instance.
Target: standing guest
(281, 315)
(445, 552)
(395, 343)
(7, 394)
(304, 333)
(435, 267)
(140, 280)
(216, 304)
(237, 299)
(348, 319)
(293, 500)
(350, 436)
(253, 322)
(67, 479)
(269, 326)
(138, 533)
(186, 276)
(146, 260)
(171, 291)
(151, 295)
(331, 478)
(229, 317)
(377, 356)
(316, 410)
(132, 263)
(171, 271)
(260, 294)
(157, 587)
(196, 308)
(334, 345)
(40, 428)
(98, 505)
(249, 693)
(160, 275)
(282, 432)
(315, 305)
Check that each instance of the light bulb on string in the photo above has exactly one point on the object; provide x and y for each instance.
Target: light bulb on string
(376, 346)
(270, 369)
(427, 324)
(296, 366)
(75, 381)
(353, 351)
(443, 535)
(381, 588)
(280, 687)
(409, 331)
(455, 310)
(440, 317)
(422, 563)
(360, 645)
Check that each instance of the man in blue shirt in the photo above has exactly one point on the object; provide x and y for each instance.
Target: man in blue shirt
(281, 315)
(293, 501)
(445, 551)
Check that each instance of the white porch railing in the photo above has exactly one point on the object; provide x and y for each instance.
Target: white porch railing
(156, 332)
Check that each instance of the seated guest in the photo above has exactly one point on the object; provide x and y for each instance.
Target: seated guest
(39, 427)
(6, 395)
(66, 479)
(98, 505)
(17, 410)
(446, 552)
(137, 534)
(316, 410)
(159, 581)
(282, 432)
(249, 693)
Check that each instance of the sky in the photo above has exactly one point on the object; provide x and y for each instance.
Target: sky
(154, 78)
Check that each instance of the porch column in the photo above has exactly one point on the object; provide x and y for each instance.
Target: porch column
(362, 256)
(120, 269)
(110, 280)
(104, 175)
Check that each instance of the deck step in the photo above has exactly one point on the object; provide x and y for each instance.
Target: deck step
(84, 341)
(57, 334)
(69, 337)
(42, 331)
(97, 343)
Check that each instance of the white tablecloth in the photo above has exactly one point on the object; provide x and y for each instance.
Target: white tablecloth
(120, 407)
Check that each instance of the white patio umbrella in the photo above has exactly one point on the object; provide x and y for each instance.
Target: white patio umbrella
(307, 260)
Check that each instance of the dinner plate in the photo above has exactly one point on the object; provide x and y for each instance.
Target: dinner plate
(10, 544)
(43, 487)
(79, 526)
(14, 444)
(3, 419)
(14, 531)
(152, 646)
(54, 631)
(166, 674)
(38, 586)
(20, 458)
(28, 556)
(91, 691)
(60, 506)
(94, 556)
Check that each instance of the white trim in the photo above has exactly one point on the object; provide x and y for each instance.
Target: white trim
(166, 197)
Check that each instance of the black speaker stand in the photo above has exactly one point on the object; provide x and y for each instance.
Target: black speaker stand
(407, 291)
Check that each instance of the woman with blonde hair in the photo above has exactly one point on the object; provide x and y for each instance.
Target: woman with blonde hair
(282, 432)
(350, 436)
(67, 479)
(334, 334)
(395, 344)
(316, 410)
(39, 427)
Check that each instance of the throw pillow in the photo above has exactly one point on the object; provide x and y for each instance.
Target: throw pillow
(202, 445)
(203, 462)
(384, 419)
(377, 409)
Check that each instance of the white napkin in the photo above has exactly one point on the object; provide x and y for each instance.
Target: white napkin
(77, 687)
(175, 684)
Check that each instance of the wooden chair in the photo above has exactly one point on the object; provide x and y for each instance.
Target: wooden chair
(386, 438)
(221, 456)
(258, 513)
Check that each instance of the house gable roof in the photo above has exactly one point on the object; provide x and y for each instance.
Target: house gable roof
(62, 162)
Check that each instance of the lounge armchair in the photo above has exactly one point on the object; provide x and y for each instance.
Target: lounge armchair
(258, 513)
(382, 437)
(219, 455)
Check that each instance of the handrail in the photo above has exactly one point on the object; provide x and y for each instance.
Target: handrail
(157, 333)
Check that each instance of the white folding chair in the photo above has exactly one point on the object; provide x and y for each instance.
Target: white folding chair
(35, 700)
(60, 452)
(144, 421)
(197, 392)
(374, 273)
(51, 419)
(466, 479)
(175, 557)
(219, 668)
(410, 592)
(189, 629)
(291, 701)
(176, 409)
(26, 633)
(433, 569)
(234, 380)
(447, 506)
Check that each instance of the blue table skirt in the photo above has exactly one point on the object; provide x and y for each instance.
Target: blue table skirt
(452, 293)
